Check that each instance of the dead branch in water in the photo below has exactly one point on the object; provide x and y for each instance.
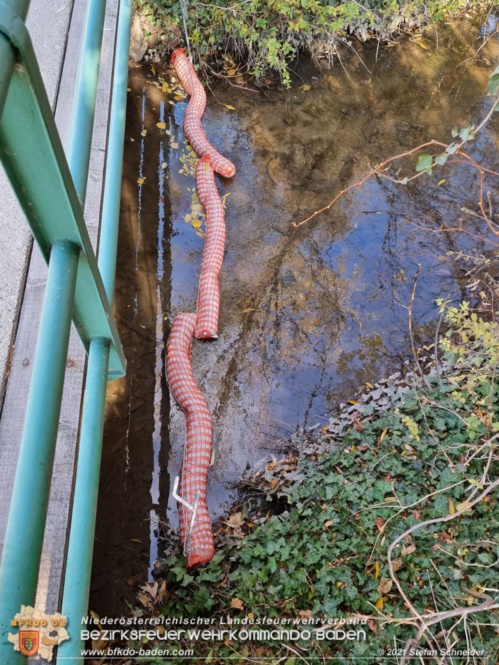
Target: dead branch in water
(449, 149)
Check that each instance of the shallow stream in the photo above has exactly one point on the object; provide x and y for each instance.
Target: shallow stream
(309, 314)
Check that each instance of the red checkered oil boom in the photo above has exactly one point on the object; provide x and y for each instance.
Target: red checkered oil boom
(192, 119)
(213, 254)
(198, 540)
(195, 525)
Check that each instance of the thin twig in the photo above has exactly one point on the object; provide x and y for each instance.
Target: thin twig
(457, 150)
(426, 623)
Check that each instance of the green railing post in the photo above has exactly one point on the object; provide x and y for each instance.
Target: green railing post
(35, 162)
(52, 195)
(7, 56)
(79, 142)
(81, 539)
(26, 523)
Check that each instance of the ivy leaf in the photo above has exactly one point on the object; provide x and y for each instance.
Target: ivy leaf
(441, 159)
(466, 133)
(493, 86)
(424, 163)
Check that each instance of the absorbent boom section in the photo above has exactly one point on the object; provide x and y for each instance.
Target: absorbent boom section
(195, 109)
(195, 526)
(213, 254)
(198, 540)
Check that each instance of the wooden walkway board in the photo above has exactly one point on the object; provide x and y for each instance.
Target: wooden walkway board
(14, 407)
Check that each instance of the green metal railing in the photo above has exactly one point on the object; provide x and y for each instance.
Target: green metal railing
(50, 184)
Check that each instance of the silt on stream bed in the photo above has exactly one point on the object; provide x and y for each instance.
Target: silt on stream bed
(309, 314)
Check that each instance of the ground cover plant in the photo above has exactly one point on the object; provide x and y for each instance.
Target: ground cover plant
(389, 515)
(230, 36)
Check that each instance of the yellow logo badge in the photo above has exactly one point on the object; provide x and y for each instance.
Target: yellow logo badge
(38, 632)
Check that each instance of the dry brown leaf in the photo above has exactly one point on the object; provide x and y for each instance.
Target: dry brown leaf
(385, 585)
(445, 537)
(236, 520)
(465, 505)
(407, 549)
(237, 604)
(161, 592)
(357, 424)
(397, 564)
(145, 600)
(306, 614)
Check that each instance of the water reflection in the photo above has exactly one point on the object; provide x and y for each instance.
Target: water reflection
(308, 314)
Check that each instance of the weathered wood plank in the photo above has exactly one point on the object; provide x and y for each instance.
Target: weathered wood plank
(11, 423)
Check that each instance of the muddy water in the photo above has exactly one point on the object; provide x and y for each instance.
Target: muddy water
(308, 314)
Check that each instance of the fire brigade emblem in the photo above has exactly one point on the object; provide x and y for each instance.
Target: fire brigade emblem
(29, 642)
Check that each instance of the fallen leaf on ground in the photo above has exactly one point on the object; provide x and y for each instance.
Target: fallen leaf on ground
(385, 585)
(236, 520)
(237, 604)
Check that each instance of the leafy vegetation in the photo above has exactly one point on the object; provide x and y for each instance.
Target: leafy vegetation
(390, 517)
(267, 35)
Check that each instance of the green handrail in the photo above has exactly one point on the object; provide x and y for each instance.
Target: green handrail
(81, 538)
(52, 194)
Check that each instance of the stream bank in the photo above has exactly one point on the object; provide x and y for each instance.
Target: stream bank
(308, 314)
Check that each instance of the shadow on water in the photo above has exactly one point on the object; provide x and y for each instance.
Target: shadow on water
(308, 314)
